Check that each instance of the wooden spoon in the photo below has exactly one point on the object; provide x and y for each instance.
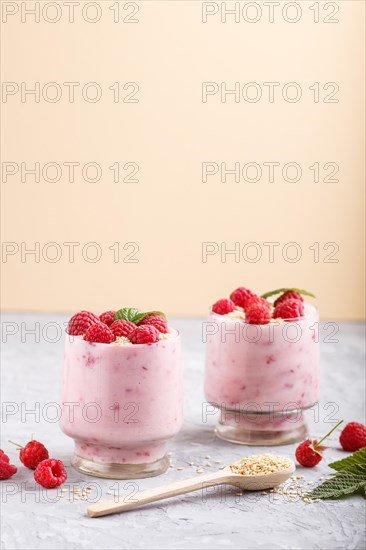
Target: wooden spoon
(256, 482)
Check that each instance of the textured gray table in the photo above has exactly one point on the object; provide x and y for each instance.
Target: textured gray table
(30, 520)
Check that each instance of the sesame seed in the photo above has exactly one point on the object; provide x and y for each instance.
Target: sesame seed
(199, 471)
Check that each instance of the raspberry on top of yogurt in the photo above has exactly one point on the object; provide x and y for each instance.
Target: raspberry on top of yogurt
(126, 326)
(245, 305)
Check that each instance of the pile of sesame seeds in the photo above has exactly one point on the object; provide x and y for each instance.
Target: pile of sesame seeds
(260, 464)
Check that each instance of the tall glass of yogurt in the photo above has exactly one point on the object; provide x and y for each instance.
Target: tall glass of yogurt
(262, 377)
(121, 403)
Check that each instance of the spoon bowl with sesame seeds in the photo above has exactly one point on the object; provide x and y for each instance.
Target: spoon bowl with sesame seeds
(251, 473)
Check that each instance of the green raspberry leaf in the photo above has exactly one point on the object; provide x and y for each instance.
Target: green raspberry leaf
(359, 457)
(130, 314)
(282, 290)
(346, 482)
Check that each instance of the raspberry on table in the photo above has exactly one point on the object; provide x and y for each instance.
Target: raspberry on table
(353, 437)
(307, 455)
(7, 470)
(289, 309)
(145, 334)
(122, 327)
(157, 321)
(80, 322)
(289, 294)
(4, 457)
(107, 317)
(50, 473)
(258, 314)
(224, 306)
(32, 454)
(100, 333)
(241, 296)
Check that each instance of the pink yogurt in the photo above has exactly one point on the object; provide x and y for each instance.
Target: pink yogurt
(262, 368)
(128, 399)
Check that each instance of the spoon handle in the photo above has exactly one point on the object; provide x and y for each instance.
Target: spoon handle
(106, 507)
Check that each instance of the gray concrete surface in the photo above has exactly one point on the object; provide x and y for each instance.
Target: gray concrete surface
(31, 372)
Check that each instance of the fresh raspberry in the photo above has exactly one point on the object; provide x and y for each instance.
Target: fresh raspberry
(289, 309)
(307, 455)
(122, 327)
(241, 296)
(222, 307)
(157, 321)
(257, 314)
(286, 296)
(107, 317)
(32, 454)
(99, 332)
(146, 334)
(4, 457)
(256, 300)
(353, 437)
(50, 473)
(80, 322)
(6, 469)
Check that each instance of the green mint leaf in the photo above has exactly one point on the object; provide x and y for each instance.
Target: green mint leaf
(359, 457)
(135, 315)
(282, 290)
(130, 314)
(345, 482)
(138, 317)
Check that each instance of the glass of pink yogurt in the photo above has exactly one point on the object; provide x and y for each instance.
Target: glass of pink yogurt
(262, 377)
(121, 403)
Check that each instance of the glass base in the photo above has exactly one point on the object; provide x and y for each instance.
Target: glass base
(120, 471)
(252, 428)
